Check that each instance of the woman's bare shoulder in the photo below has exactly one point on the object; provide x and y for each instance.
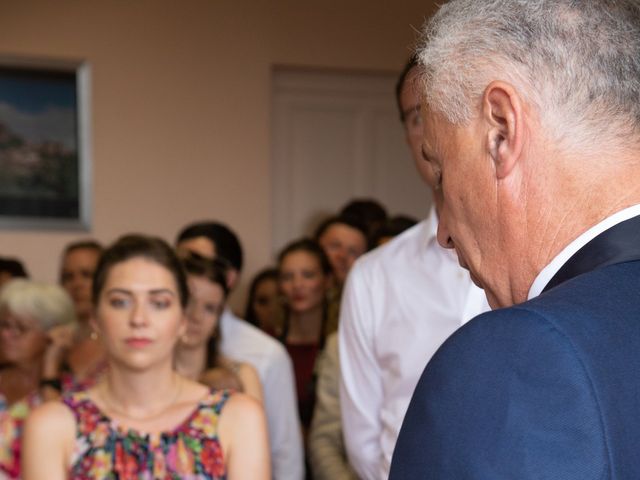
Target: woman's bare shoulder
(242, 408)
(52, 413)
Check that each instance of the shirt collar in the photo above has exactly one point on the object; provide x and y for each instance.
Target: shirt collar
(431, 227)
(547, 273)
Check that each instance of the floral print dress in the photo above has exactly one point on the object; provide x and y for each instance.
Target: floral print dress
(104, 450)
(12, 419)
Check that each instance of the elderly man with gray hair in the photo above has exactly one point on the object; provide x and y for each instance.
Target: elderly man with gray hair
(531, 114)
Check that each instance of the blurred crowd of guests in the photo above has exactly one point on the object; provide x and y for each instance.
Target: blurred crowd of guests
(283, 352)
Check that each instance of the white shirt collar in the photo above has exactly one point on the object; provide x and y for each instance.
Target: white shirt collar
(556, 264)
(431, 227)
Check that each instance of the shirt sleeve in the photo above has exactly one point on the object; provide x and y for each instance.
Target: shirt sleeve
(285, 438)
(361, 392)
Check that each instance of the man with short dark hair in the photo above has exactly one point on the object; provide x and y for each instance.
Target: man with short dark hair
(242, 341)
(344, 239)
(531, 115)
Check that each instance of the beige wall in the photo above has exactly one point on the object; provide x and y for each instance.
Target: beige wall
(181, 101)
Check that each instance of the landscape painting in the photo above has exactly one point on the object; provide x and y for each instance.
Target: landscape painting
(42, 169)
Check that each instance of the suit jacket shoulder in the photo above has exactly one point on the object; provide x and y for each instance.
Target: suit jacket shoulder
(546, 389)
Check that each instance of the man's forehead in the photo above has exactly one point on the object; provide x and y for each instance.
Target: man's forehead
(201, 245)
(430, 122)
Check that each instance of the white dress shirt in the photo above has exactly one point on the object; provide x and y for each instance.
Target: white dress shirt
(400, 303)
(242, 341)
(548, 272)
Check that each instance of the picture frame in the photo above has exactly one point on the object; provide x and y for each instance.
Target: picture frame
(45, 163)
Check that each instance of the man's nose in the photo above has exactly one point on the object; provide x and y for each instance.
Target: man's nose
(444, 237)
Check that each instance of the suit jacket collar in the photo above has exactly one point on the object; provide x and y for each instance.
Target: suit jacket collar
(618, 244)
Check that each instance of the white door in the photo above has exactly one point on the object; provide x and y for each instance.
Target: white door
(337, 136)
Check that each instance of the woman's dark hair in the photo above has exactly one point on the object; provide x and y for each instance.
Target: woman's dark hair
(310, 246)
(266, 274)
(132, 246)
(215, 271)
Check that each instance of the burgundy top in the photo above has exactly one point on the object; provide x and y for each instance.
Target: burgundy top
(303, 357)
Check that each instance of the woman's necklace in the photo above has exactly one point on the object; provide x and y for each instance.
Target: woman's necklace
(107, 399)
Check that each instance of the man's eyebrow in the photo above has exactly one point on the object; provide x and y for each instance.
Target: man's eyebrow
(415, 108)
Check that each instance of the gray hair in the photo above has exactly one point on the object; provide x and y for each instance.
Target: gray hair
(576, 61)
(48, 304)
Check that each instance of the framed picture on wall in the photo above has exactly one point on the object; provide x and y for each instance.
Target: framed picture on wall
(44, 144)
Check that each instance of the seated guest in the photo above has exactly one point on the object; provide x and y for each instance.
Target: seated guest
(11, 268)
(197, 352)
(263, 304)
(143, 420)
(242, 341)
(326, 445)
(304, 272)
(76, 357)
(28, 312)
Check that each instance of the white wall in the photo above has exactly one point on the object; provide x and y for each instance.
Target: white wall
(180, 110)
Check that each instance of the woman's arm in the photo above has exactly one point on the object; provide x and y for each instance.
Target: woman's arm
(250, 381)
(60, 341)
(48, 439)
(243, 434)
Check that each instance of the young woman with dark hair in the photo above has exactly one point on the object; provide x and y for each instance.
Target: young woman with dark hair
(144, 420)
(304, 278)
(197, 353)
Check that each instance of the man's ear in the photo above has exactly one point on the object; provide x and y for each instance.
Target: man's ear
(232, 278)
(502, 109)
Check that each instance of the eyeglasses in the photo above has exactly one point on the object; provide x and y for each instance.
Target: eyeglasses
(15, 328)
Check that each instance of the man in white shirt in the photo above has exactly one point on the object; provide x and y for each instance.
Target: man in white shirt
(400, 302)
(531, 122)
(244, 342)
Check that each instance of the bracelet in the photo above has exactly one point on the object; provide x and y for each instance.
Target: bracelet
(51, 383)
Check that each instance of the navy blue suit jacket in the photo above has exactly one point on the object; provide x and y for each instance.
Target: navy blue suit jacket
(548, 389)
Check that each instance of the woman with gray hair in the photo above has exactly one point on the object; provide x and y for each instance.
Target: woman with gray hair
(29, 311)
